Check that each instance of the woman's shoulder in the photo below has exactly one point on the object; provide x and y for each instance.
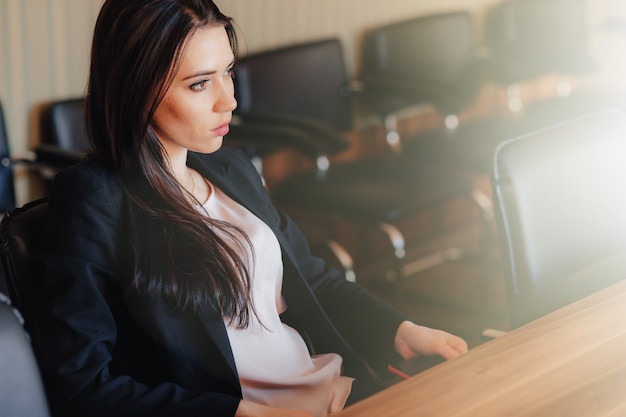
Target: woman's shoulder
(89, 171)
(85, 182)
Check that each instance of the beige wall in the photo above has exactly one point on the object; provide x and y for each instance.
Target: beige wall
(44, 44)
(276, 22)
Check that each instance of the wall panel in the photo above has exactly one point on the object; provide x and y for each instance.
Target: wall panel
(270, 23)
(45, 55)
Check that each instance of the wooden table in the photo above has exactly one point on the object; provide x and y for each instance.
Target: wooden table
(570, 363)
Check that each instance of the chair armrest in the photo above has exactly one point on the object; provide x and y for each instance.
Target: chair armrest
(325, 136)
(259, 139)
(48, 159)
(446, 93)
(55, 156)
(29, 161)
(404, 92)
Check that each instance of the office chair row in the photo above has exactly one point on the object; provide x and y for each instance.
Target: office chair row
(440, 60)
(429, 60)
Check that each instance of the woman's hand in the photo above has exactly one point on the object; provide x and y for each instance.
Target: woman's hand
(250, 409)
(412, 340)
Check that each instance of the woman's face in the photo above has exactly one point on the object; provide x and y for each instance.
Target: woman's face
(197, 108)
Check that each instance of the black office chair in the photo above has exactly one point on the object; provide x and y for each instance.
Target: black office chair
(305, 87)
(64, 137)
(434, 60)
(530, 38)
(20, 230)
(21, 388)
(427, 60)
(560, 201)
(527, 39)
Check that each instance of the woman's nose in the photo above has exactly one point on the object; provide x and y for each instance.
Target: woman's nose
(226, 101)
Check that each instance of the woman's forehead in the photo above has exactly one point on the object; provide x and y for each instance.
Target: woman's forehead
(206, 49)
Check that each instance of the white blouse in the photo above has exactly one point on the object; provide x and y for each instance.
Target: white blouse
(273, 362)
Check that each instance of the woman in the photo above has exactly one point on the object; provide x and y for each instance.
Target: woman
(171, 285)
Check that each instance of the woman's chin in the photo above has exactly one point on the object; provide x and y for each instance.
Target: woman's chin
(211, 146)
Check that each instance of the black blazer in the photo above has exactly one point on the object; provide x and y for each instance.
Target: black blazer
(108, 350)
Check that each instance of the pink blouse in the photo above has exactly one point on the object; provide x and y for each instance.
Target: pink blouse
(273, 362)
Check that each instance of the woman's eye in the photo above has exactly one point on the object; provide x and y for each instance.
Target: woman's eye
(199, 86)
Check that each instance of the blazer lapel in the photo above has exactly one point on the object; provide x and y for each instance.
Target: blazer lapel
(219, 175)
(214, 325)
(232, 182)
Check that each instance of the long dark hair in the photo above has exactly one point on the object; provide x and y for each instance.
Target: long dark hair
(136, 51)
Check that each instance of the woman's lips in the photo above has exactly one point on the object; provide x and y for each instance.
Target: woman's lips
(221, 130)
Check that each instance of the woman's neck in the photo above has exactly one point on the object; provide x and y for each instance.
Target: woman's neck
(189, 179)
(178, 164)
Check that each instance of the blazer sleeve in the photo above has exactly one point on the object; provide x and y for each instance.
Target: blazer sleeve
(368, 323)
(75, 328)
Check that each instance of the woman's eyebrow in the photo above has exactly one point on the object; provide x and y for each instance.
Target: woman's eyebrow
(207, 72)
(199, 74)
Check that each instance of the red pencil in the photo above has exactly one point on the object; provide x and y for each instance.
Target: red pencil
(397, 372)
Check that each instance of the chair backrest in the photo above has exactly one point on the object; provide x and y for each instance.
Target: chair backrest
(63, 125)
(428, 59)
(306, 80)
(20, 230)
(64, 137)
(530, 38)
(7, 186)
(21, 388)
(560, 200)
